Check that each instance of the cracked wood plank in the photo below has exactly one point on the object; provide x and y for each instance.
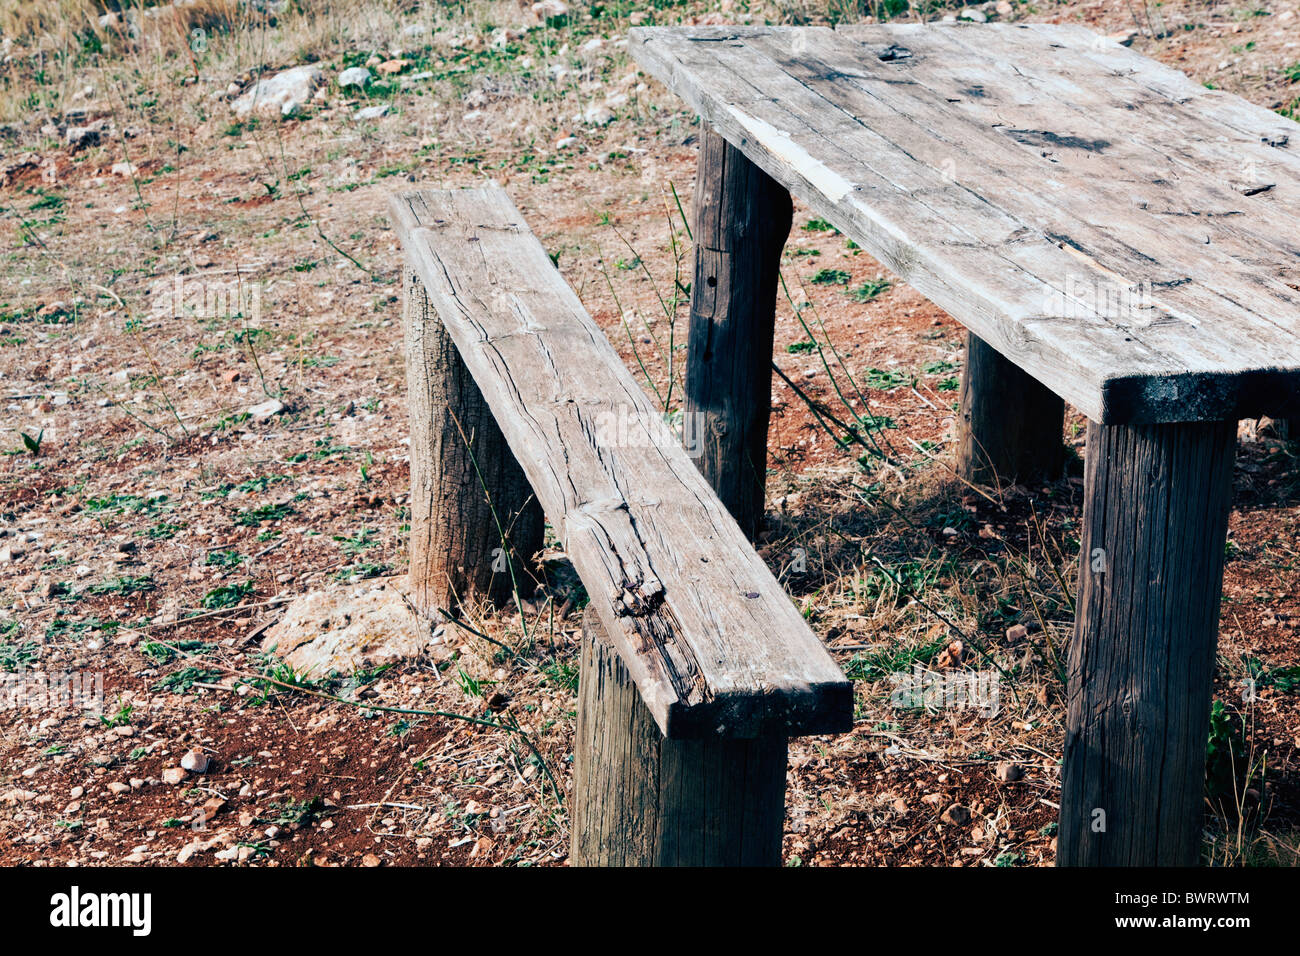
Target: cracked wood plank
(715, 646)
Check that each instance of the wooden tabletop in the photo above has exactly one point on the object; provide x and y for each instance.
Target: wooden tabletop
(1126, 236)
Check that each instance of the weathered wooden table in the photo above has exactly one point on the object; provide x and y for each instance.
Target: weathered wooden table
(1112, 235)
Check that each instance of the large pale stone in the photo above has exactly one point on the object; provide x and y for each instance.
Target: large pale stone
(280, 95)
(343, 629)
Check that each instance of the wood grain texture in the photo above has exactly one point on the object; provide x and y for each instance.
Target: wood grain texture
(1107, 226)
(640, 799)
(742, 218)
(1142, 658)
(470, 501)
(715, 646)
(1011, 428)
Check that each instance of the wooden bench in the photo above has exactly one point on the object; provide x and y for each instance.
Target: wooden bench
(696, 665)
(1112, 235)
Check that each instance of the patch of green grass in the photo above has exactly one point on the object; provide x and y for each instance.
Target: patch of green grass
(870, 290)
(361, 571)
(224, 559)
(227, 595)
(1227, 770)
(162, 531)
(801, 348)
(163, 654)
(819, 225)
(251, 517)
(182, 680)
(116, 504)
(468, 685)
(363, 541)
(119, 718)
(938, 367)
(291, 811)
(879, 664)
(831, 277)
(562, 675)
(884, 379)
(123, 586)
(15, 657)
(62, 627)
(403, 727)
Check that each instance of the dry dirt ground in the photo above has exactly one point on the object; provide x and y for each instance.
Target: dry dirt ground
(152, 524)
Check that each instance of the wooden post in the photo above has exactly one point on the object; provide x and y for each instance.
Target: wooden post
(1010, 429)
(1142, 658)
(642, 800)
(742, 218)
(466, 487)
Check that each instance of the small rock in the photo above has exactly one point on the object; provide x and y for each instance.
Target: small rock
(370, 860)
(173, 776)
(975, 16)
(125, 170)
(15, 795)
(548, 9)
(597, 115)
(950, 657)
(934, 799)
(187, 851)
(117, 787)
(355, 76)
(1017, 633)
(267, 409)
(79, 137)
(956, 815)
(195, 761)
(1009, 772)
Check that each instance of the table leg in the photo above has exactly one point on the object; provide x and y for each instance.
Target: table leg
(742, 218)
(1142, 659)
(1010, 428)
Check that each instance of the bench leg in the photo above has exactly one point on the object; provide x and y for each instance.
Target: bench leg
(1010, 429)
(466, 486)
(742, 218)
(1142, 659)
(641, 800)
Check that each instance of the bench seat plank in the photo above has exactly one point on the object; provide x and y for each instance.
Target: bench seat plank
(1122, 235)
(713, 643)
